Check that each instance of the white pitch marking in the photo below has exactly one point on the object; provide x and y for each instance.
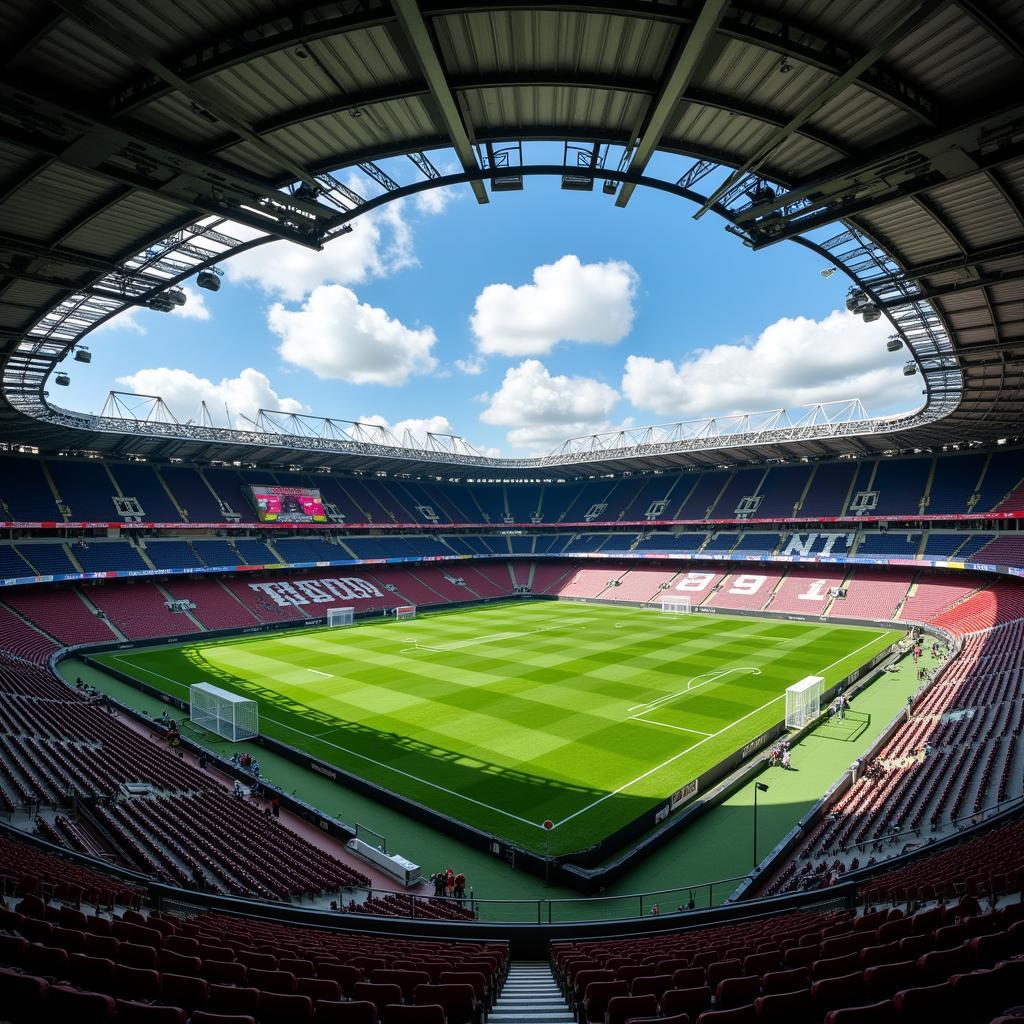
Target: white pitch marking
(678, 728)
(363, 757)
(487, 638)
(699, 743)
(650, 705)
(317, 672)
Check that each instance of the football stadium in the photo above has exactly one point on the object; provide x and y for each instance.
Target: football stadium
(346, 718)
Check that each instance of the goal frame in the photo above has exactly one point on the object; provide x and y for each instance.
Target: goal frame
(403, 612)
(803, 701)
(223, 713)
(676, 605)
(339, 617)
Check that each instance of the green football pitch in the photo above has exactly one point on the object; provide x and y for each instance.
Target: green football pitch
(504, 716)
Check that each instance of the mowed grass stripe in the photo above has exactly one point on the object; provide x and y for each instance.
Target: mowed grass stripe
(529, 717)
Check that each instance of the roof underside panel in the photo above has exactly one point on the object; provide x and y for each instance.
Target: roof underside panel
(910, 152)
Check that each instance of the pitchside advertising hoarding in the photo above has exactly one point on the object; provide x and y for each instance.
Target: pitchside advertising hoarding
(287, 504)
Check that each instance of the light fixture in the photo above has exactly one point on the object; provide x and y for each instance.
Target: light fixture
(209, 279)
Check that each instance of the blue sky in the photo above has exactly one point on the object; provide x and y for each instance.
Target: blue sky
(541, 315)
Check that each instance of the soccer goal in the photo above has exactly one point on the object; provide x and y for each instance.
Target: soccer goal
(803, 702)
(341, 616)
(222, 712)
(676, 606)
(405, 611)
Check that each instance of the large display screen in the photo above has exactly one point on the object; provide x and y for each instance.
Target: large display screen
(288, 504)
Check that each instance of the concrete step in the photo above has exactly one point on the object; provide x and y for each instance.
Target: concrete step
(530, 996)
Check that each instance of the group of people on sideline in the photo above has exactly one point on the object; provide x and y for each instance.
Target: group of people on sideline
(449, 883)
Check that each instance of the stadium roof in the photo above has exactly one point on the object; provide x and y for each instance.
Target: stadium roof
(886, 135)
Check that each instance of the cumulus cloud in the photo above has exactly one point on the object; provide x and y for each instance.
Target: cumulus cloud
(541, 409)
(413, 431)
(435, 201)
(195, 307)
(567, 301)
(794, 361)
(183, 391)
(419, 428)
(380, 243)
(338, 337)
(472, 366)
(126, 321)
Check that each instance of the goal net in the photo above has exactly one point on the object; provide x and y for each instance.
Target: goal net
(676, 606)
(222, 712)
(405, 611)
(803, 702)
(341, 616)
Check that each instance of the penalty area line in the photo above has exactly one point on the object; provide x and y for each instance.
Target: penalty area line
(700, 743)
(364, 757)
(665, 764)
(678, 728)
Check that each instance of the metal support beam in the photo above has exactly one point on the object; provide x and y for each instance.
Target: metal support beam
(995, 25)
(371, 170)
(908, 187)
(195, 181)
(424, 166)
(1004, 250)
(687, 60)
(906, 158)
(114, 32)
(909, 19)
(411, 20)
(979, 284)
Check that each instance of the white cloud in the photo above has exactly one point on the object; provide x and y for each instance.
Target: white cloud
(794, 361)
(126, 321)
(195, 307)
(472, 366)
(183, 391)
(542, 409)
(380, 243)
(339, 338)
(419, 428)
(435, 201)
(567, 301)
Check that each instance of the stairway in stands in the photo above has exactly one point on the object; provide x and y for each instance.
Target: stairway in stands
(530, 996)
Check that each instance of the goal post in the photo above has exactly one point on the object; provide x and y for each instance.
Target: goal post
(676, 605)
(405, 611)
(803, 702)
(223, 713)
(341, 616)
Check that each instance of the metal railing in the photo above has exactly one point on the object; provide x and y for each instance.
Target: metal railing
(678, 900)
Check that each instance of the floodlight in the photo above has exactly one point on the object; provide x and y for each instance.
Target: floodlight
(895, 343)
(909, 369)
(62, 379)
(208, 279)
(855, 298)
(870, 312)
(827, 272)
(609, 187)
(176, 296)
(83, 355)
